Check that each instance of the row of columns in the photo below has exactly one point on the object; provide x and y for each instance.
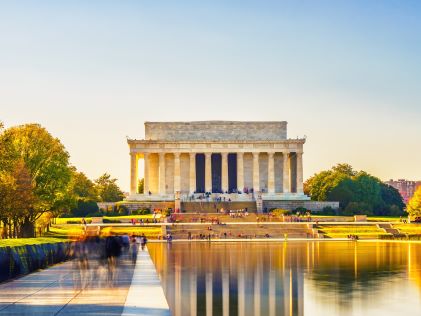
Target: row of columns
(287, 172)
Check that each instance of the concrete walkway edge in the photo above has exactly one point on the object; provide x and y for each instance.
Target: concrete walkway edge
(146, 296)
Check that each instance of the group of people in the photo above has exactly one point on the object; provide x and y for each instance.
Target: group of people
(142, 221)
(353, 237)
(135, 241)
(238, 213)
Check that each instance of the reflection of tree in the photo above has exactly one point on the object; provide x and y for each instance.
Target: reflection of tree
(357, 266)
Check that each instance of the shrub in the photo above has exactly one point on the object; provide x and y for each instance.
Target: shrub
(122, 210)
(107, 220)
(280, 212)
(328, 210)
(301, 210)
(141, 212)
(84, 208)
(358, 208)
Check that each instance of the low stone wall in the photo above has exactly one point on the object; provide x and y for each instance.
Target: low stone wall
(20, 260)
(214, 207)
(315, 206)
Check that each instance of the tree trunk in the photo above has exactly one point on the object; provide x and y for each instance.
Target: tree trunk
(27, 229)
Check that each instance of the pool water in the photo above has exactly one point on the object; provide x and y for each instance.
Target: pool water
(290, 278)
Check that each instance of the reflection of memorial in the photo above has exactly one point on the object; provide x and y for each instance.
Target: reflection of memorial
(231, 283)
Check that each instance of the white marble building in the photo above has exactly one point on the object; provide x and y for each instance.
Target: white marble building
(239, 160)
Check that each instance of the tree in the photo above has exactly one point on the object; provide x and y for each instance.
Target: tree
(108, 189)
(7, 188)
(320, 185)
(83, 188)
(392, 199)
(357, 191)
(414, 205)
(47, 163)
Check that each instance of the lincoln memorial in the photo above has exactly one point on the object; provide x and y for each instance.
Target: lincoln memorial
(236, 161)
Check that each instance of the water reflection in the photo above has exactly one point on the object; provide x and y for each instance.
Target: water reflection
(291, 278)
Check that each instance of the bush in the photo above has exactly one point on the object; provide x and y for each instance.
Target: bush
(301, 210)
(19, 260)
(122, 210)
(141, 212)
(358, 208)
(280, 212)
(111, 221)
(328, 210)
(85, 208)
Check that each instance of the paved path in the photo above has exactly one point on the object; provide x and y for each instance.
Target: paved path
(146, 296)
(67, 290)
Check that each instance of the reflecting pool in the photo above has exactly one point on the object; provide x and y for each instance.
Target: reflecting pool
(290, 278)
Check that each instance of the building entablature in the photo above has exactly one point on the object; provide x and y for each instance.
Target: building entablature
(142, 146)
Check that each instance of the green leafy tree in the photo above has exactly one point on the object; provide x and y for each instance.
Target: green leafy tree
(357, 192)
(414, 205)
(47, 163)
(107, 189)
(7, 189)
(320, 185)
(83, 188)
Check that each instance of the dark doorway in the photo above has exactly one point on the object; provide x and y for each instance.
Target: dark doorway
(216, 173)
(200, 173)
(232, 173)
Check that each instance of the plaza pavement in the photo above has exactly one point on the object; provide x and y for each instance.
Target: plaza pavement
(64, 289)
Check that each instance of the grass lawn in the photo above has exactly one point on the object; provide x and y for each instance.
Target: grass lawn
(28, 241)
(65, 220)
(384, 218)
(65, 231)
(362, 231)
(411, 229)
(150, 232)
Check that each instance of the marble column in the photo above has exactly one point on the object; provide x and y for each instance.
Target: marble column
(256, 176)
(177, 177)
(133, 173)
(240, 171)
(208, 172)
(162, 188)
(146, 173)
(286, 173)
(300, 187)
(192, 173)
(224, 172)
(271, 173)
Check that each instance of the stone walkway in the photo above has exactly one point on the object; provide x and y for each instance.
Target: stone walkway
(67, 290)
(146, 296)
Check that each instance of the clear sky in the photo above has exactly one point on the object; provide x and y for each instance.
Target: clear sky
(347, 74)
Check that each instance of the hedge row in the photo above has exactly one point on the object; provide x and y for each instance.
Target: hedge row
(20, 260)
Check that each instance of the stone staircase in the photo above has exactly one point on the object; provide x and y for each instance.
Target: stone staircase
(243, 231)
(388, 228)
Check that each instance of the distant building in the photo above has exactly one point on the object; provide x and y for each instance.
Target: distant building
(405, 187)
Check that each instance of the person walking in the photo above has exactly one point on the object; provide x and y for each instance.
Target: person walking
(143, 242)
(133, 249)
